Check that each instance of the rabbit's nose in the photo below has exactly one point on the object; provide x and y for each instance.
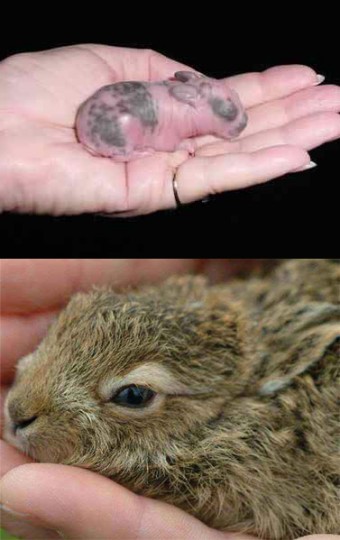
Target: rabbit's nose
(18, 418)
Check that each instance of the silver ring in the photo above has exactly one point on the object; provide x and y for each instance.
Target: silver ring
(175, 190)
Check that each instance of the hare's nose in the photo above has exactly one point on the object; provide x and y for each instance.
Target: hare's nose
(18, 418)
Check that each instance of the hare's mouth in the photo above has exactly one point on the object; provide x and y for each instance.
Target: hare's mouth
(19, 438)
(29, 445)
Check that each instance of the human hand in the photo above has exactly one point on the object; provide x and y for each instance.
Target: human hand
(57, 501)
(45, 170)
(73, 501)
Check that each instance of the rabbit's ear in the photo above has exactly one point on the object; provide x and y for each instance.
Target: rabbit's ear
(186, 76)
(187, 93)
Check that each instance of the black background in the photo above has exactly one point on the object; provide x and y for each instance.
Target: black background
(296, 215)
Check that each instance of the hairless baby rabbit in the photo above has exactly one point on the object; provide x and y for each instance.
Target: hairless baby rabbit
(220, 399)
(131, 119)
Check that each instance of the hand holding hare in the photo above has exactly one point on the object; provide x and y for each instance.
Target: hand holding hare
(221, 400)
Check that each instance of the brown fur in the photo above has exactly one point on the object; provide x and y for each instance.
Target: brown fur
(245, 433)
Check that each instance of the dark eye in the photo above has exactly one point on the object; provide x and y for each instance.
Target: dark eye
(134, 396)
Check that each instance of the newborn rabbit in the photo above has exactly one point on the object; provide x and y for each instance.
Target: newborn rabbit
(223, 400)
(131, 119)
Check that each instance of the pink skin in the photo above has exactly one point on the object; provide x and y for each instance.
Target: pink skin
(184, 106)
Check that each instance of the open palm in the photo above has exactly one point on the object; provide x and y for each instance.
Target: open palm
(44, 169)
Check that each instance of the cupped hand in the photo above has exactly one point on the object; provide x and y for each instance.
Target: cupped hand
(44, 169)
(42, 501)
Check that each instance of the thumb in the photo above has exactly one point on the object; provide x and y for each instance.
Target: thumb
(81, 504)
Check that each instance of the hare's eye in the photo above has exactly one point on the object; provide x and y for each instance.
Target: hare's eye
(134, 396)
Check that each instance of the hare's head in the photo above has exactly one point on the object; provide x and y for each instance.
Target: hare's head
(123, 382)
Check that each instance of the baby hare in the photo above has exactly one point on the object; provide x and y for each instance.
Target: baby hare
(222, 400)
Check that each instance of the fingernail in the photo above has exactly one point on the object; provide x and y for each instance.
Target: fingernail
(319, 79)
(12, 512)
(26, 520)
(309, 165)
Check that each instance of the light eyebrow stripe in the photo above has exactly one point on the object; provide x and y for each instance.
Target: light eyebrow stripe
(153, 375)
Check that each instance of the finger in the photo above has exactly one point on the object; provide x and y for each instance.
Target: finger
(320, 537)
(15, 524)
(11, 458)
(280, 112)
(84, 505)
(20, 334)
(308, 132)
(273, 83)
(3, 395)
(202, 176)
(150, 181)
(29, 285)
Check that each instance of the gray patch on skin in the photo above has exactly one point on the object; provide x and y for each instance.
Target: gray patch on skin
(99, 109)
(236, 130)
(127, 87)
(243, 122)
(122, 106)
(224, 108)
(92, 109)
(135, 99)
(108, 130)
